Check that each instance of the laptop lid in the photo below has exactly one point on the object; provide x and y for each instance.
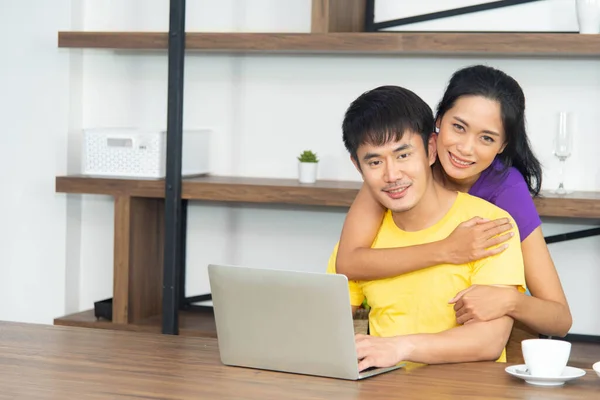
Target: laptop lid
(289, 321)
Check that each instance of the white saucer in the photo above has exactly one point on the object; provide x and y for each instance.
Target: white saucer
(520, 371)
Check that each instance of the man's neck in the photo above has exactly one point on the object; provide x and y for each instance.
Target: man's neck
(440, 176)
(435, 203)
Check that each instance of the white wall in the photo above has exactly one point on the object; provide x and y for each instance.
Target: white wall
(264, 109)
(34, 104)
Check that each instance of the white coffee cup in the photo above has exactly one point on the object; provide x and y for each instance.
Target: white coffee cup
(588, 16)
(546, 357)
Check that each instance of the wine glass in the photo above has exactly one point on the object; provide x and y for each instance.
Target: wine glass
(563, 145)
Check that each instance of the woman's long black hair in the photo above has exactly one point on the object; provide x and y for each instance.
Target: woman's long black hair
(493, 84)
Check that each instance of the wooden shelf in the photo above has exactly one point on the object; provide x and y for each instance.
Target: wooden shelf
(222, 189)
(412, 43)
(289, 191)
(191, 323)
(574, 205)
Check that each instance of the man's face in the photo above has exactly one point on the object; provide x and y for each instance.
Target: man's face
(398, 172)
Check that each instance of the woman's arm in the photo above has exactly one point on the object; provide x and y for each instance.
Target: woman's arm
(470, 241)
(358, 261)
(546, 311)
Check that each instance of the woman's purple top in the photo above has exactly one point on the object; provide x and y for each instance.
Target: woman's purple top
(508, 190)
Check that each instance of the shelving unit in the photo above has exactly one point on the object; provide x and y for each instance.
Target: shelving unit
(139, 233)
(139, 208)
(139, 212)
(414, 43)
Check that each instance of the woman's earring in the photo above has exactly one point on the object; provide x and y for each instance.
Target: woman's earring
(437, 130)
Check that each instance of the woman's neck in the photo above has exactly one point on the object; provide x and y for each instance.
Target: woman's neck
(452, 184)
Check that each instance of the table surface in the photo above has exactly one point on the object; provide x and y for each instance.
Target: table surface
(52, 362)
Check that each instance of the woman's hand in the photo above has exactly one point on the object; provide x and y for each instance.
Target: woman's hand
(483, 303)
(472, 240)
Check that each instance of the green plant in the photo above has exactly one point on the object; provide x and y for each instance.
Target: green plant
(365, 305)
(308, 157)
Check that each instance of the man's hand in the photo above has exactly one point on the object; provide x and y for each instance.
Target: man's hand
(381, 352)
(471, 240)
(483, 303)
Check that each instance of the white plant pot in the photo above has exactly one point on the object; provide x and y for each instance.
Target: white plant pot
(588, 16)
(307, 172)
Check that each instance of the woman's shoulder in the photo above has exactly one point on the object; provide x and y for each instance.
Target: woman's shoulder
(507, 189)
(497, 179)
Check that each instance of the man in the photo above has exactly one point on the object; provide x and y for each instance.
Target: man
(388, 132)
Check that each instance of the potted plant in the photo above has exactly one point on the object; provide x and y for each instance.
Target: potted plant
(361, 318)
(307, 167)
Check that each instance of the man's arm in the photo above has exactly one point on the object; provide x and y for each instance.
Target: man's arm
(477, 341)
(356, 294)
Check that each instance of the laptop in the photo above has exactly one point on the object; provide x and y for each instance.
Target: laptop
(286, 321)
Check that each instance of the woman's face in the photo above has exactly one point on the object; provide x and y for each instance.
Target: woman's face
(470, 136)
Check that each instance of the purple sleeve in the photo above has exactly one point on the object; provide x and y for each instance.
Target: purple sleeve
(516, 200)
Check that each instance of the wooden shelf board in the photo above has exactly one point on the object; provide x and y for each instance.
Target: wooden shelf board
(108, 185)
(290, 191)
(574, 205)
(191, 323)
(221, 189)
(410, 43)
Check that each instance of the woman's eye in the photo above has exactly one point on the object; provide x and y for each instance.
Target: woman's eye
(458, 127)
(488, 139)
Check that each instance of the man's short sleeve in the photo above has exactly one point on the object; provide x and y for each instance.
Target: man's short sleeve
(506, 268)
(356, 294)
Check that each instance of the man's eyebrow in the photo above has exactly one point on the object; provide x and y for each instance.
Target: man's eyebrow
(462, 121)
(402, 147)
(369, 156)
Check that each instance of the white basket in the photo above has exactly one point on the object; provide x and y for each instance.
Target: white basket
(130, 152)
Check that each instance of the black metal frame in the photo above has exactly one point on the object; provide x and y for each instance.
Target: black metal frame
(173, 268)
(176, 208)
(372, 26)
(182, 253)
(574, 337)
(186, 303)
(563, 237)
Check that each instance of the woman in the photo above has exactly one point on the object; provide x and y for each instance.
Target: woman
(483, 150)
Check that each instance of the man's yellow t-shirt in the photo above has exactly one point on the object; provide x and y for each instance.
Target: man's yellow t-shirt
(417, 302)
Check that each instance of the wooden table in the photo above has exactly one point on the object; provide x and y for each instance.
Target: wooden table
(53, 362)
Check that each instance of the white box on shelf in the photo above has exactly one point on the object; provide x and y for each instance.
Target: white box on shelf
(131, 152)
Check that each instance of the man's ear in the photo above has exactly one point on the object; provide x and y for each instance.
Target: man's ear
(432, 148)
(356, 165)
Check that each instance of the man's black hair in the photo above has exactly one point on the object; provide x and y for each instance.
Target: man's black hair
(385, 114)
